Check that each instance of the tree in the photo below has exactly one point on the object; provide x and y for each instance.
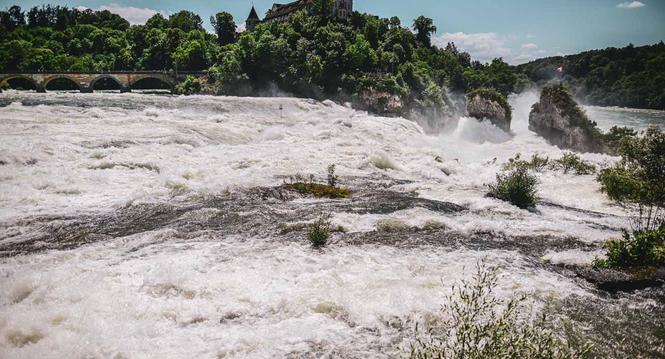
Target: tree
(424, 28)
(157, 21)
(12, 18)
(225, 28)
(637, 182)
(323, 8)
(185, 21)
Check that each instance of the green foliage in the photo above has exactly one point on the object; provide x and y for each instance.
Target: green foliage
(569, 162)
(319, 190)
(560, 95)
(517, 187)
(190, 86)
(58, 38)
(615, 137)
(476, 324)
(225, 28)
(637, 182)
(493, 95)
(329, 190)
(630, 76)
(537, 163)
(186, 21)
(424, 28)
(309, 54)
(319, 231)
(641, 249)
(573, 162)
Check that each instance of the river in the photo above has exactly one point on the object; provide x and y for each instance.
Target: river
(148, 226)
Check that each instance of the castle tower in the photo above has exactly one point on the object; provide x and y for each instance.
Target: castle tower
(342, 9)
(252, 20)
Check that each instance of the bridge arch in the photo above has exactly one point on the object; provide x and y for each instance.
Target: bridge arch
(62, 80)
(61, 83)
(19, 82)
(107, 82)
(152, 82)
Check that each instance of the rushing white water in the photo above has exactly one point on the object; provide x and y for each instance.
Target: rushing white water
(158, 294)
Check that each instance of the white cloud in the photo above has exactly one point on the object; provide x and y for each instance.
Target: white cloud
(132, 14)
(631, 5)
(530, 36)
(241, 27)
(529, 45)
(483, 46)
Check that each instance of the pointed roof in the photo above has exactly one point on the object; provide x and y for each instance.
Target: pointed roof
(253, 15)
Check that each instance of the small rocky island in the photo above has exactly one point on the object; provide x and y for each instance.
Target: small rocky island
(559, 119)
(490, 104)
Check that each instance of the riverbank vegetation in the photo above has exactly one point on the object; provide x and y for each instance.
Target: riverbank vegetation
(568, 163)
(477, 324)
(629, 77)
(637, 183)
(374, 62)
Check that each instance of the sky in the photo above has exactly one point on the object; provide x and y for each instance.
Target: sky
(516, 30)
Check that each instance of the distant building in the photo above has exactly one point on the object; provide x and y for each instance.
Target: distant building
(252, 19)
(342, 9)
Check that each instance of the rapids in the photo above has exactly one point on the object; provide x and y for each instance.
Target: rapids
(140, 226)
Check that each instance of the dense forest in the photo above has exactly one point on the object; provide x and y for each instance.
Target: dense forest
(375, 62)
(310, 54)
(629, 77)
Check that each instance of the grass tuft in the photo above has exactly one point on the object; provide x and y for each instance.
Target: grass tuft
(319, 190)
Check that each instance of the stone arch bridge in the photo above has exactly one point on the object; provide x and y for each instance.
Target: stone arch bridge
(85, 81)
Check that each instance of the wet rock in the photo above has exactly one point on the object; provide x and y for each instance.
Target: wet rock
(559, 119)
(381, 102)
(488, 104)
(611, 280)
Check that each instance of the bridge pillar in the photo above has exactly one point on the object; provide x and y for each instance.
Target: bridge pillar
(41, 88)
(86, 89)
(125, 89)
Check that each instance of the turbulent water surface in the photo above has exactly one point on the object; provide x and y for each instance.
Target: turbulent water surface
(143, 226)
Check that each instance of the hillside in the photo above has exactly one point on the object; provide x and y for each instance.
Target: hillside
(627, 77)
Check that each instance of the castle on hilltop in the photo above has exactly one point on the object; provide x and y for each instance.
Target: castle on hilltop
(279, 12)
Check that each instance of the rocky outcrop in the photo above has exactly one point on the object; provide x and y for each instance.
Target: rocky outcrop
(381, 102)
(559, 119)
(611, 280)
(491, 105)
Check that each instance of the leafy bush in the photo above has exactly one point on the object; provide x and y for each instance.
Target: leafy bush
(478, 325)
(637, 182)
(568, 162)
(536, 163)
(615, 137)
(571, 161)
(319, 231)
(517, 187)
(641, 249)
(191, 85)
